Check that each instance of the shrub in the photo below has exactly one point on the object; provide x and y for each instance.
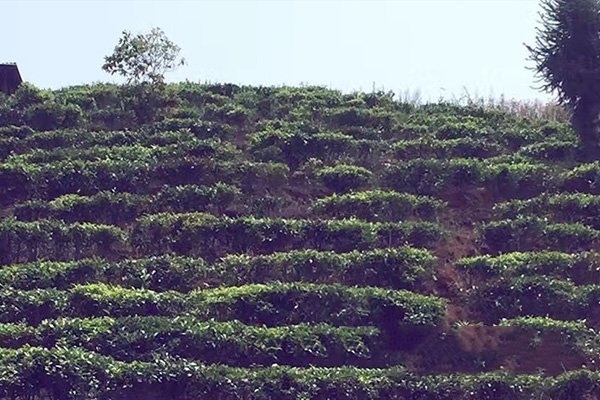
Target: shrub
(530, 233)
(378, 205)
(583, 178)
(342, 178)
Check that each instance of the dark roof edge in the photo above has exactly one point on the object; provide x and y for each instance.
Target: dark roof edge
(13, 64)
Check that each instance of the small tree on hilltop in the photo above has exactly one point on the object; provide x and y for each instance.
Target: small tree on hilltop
(567, 60)
(143, 57)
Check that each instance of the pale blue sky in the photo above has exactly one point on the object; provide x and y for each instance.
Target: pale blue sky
(439, 47)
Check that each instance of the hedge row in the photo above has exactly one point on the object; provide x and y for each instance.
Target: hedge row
(231, 343)
(434, 176)
(156, 273)
(296, 147)
(431, 147)
(24, 139)
(204, 235)
(581, 268)
(341, 178)
(574, 337)
(583, 178)
(540, 296)
(274, 304)
(22, 181)
(76, 374)
(394, 268)
(533, 233)
(27, 241)
(132, 152)
(494, 126)
(397, 268)
(575, 334)
(122, 208)
(551, 150)
(378, 205)
(572, 207)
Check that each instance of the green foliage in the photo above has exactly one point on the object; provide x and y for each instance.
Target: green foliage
(27, 95)
(275, 304)
(566, 49)
(39, 109)
(574, 335)
(519, 179)
(431, 147)
(378, 205)
(199, 128)
(581, 268)
(143, 57)
(342, 178)
(103, 207)
(533, 296)
(179, 233)
(354, 116)
(468, 126)
(27, 241)
(253, 176)
(566, 56)
(531, 233)
(73, 373)
(573, 208)
(398, 268)
(129, 169)
(552, 150)
(432, 176)
(291, 303)
(297, 147)
(232, 343)
(582, 178)
(252, 227)
(122, 208)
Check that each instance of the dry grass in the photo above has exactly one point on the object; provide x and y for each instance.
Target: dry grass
(530, 109)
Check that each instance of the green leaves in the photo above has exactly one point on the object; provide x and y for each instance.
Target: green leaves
(566, 57)
(232, 343)
(534, 233)
(581, 268)
(342, 178)
(74, 373)
(566, 49)
(378, 205)
(143, 57)
(273, 304)
(572, 208)
(182, 233)
(532, 296)
(46, 238)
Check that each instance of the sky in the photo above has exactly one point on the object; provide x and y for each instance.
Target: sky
(435, 49)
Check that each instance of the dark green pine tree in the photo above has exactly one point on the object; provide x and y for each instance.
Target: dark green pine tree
(567, 61)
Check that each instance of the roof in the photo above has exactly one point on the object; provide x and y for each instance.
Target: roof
(10, 78)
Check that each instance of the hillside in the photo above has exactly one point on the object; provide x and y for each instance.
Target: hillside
(217, 241)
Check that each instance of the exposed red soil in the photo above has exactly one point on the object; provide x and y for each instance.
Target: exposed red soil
(509, 348)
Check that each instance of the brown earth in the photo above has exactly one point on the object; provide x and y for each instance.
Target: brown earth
(473, 345)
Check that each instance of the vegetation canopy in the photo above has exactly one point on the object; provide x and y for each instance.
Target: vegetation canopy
(143, 57)
(567, 61)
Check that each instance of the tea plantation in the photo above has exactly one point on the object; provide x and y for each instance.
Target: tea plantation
(224, 242)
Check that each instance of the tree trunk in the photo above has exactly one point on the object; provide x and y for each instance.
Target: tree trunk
(586, 123)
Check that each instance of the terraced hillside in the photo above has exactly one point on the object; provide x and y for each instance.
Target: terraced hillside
(225, 242)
